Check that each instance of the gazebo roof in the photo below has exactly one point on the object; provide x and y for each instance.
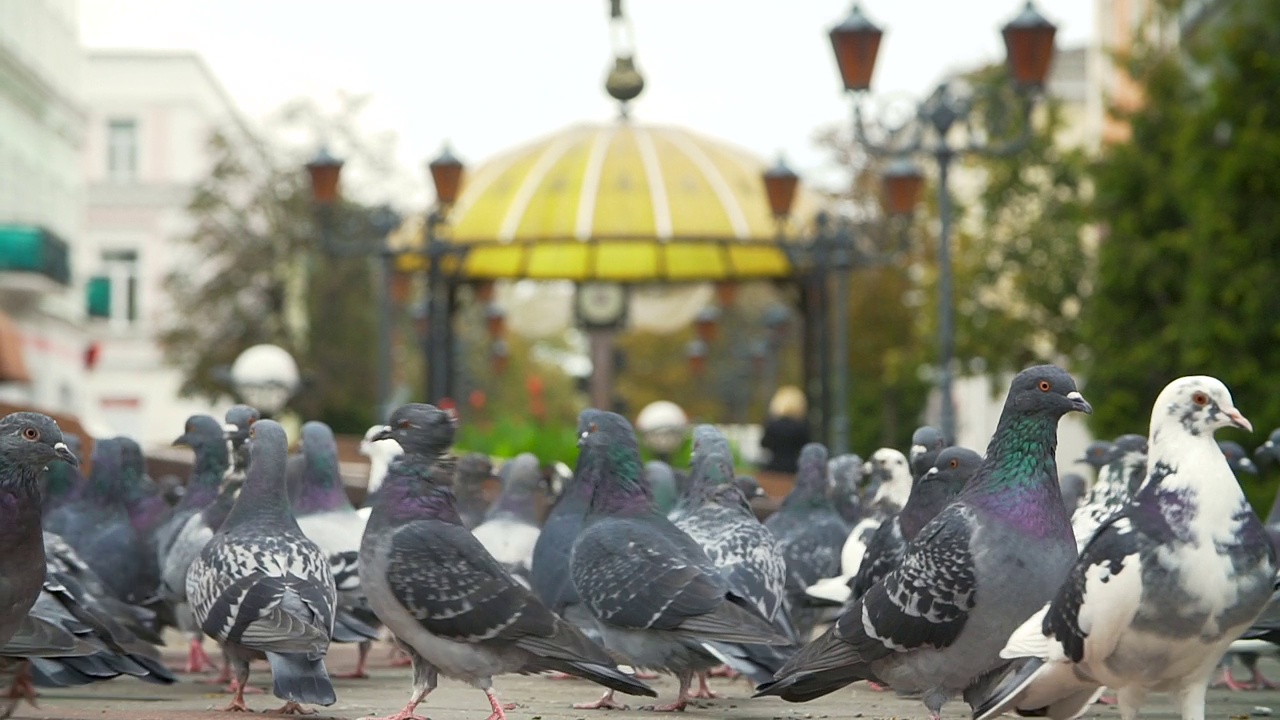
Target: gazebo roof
(622, 202)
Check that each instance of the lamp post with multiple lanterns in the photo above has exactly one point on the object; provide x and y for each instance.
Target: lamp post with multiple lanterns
(1028, 40)
(446, 175)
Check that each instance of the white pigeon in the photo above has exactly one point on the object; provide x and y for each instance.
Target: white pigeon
(380, 454)
(1162, 588)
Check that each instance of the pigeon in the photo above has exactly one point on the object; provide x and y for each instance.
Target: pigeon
(1097, 455)
(1074, 488)
(1125, 466)
(662, 483)
(142, 499)
(450, 604)
(62, 481)
(750, 487)
(926, 442)
(510, 529)
(70, 569)
(894, 472)
(925, 627)
(951, 470)
(474, 469)
(261, 588)
(180, 540)
(28, 442)
(1162, 588)
(325, 514)
(718, 518)
(549, 572)
(657, 597)
(1240, 463)
(810, 533)
(846, 476)
(890, 473)
(102, 533)
(1269, 451)
(239, 418)
(380, 454)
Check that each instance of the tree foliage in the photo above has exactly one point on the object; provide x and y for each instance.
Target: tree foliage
(258, 274)
(1191, 226)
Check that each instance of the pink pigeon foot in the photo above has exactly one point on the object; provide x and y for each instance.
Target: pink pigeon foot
(606, 702)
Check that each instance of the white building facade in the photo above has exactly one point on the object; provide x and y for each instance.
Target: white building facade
(42, 122)
(150, 117)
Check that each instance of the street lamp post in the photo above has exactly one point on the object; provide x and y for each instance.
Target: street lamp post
(446, 175)
(265, 377)
(1029, 47)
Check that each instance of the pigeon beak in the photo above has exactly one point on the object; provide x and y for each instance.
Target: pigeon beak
(1247, 465)
(65, 455)
(1079, 404)
(386, 433)
(182, 441)
(930, 473)
(1237, 419)
(1265, 450)
(230, 428)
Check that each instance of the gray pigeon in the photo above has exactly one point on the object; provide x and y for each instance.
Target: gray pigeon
(142, 498)
(810, 533)
(1163, 587)
(718, 518)
(62, 482)
(328, 519)
(1125, 467)
(1074, 488)
(181, 538)
(1269, 451)
(662, 483)
(750, 487)
(102, 533)
(1239, 462)
(657, 596)
(474, 469)
(28, 442)
(549, 573)
(926, 442)
(933, 491)
(450, 604)
(510, 529)
(845, 472)
(926, 627)
(239, 418)
(1237, 459)
(261, 588)
(1097, 455)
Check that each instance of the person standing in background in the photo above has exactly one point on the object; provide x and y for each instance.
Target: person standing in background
(786, 430)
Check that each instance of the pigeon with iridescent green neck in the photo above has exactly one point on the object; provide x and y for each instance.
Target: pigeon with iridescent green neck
(936, 624)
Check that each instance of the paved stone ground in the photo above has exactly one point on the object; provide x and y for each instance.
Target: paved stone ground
(539, 698)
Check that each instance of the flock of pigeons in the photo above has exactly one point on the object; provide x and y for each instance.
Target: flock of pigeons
(938, 574)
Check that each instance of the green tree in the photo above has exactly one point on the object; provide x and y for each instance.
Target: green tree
(1191, 227)
(257, 272)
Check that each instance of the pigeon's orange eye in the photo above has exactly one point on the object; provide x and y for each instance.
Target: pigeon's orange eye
(1200, 399)
(1044, 386)
(31, 434)
(404, 424)
(954, 463)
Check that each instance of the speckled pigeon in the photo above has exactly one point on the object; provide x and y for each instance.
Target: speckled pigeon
(936, 624)
(474, 469)
(1097, 455)
(261, 588)
(891, 475)
(182, 537)
(510, 529)
(717, 516)
(325, 515)
(1239, 462)
(450, 604)
(1125, 467)
(929, 495)
(1162, 588)
(810, 533)
(657, 596)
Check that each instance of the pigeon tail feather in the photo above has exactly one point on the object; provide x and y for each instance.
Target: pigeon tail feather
(819, 668)
(610, 677)
(298, 678)
(730, 623)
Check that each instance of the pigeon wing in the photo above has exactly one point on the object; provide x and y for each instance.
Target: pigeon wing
(926, 600)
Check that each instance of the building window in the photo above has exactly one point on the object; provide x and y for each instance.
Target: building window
(122, 151)
(113, 294)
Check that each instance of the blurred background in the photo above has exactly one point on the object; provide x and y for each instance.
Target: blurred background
(520, 209)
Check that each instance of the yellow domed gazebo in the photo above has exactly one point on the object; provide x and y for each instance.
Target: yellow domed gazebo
(619, 202)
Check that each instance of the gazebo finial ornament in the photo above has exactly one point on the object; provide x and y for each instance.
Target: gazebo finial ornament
(624, 82)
